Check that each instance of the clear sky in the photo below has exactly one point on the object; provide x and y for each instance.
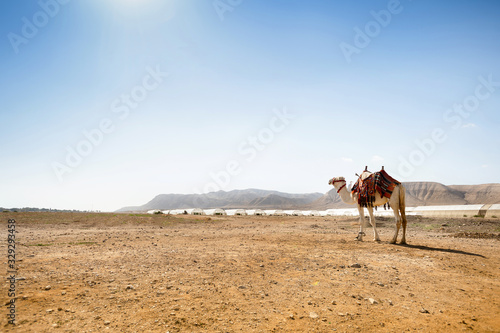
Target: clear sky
(107, 103)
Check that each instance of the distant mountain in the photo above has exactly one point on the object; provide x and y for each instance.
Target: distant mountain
(417, 194)
(428, 194)
(250, 198)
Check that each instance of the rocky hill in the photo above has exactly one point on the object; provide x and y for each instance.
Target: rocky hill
(250, 198)
(417, 194)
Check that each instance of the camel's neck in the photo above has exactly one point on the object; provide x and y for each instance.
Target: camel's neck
(346, 196)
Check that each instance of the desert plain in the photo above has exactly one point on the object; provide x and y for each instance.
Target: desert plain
(105, 272)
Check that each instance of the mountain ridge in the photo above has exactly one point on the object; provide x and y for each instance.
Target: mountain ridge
(417, 194)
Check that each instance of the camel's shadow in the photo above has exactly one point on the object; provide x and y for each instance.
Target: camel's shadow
(429, 248)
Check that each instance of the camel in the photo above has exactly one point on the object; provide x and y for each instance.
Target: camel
(396, 202)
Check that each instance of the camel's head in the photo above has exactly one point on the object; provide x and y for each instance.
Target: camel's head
(337, 180)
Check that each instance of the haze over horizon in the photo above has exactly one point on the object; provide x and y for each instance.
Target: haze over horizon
(108, 103)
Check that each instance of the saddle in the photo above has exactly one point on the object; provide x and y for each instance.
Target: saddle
(369, 182)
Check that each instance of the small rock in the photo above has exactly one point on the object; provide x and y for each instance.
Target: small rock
(356, 265)
(107, 322)
(291, 316)
(424, 311)
(334, 302)
(49, 310)
(130, 287)
(48, 287)
(313, 315)
(372, 301)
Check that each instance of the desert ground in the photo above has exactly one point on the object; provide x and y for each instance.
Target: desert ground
(90, 272)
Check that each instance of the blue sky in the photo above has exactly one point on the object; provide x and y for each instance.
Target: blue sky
(107, 103)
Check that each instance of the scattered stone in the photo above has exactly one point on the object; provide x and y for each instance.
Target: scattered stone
(48, 287)
(107, 322)
(63, 293)
(313, 315)
(242, 287)
(372, 301)
(130, 287)
(292, 316)
(424, 310)
(356, 265)
(49, 310)
(334, 302)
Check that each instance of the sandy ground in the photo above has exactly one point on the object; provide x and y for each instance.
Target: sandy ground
(141, 273)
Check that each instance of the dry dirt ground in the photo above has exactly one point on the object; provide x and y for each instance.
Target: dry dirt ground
(154, 273)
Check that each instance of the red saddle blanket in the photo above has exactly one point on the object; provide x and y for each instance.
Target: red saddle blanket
(378, 181)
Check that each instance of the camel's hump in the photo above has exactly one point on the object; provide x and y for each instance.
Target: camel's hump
(365, 175)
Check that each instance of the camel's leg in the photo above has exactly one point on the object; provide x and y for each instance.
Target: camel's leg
(374, 225)
(361, 223)
(403, 219)
(395, 208)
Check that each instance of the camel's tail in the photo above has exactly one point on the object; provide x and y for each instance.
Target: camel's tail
(402, 204)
